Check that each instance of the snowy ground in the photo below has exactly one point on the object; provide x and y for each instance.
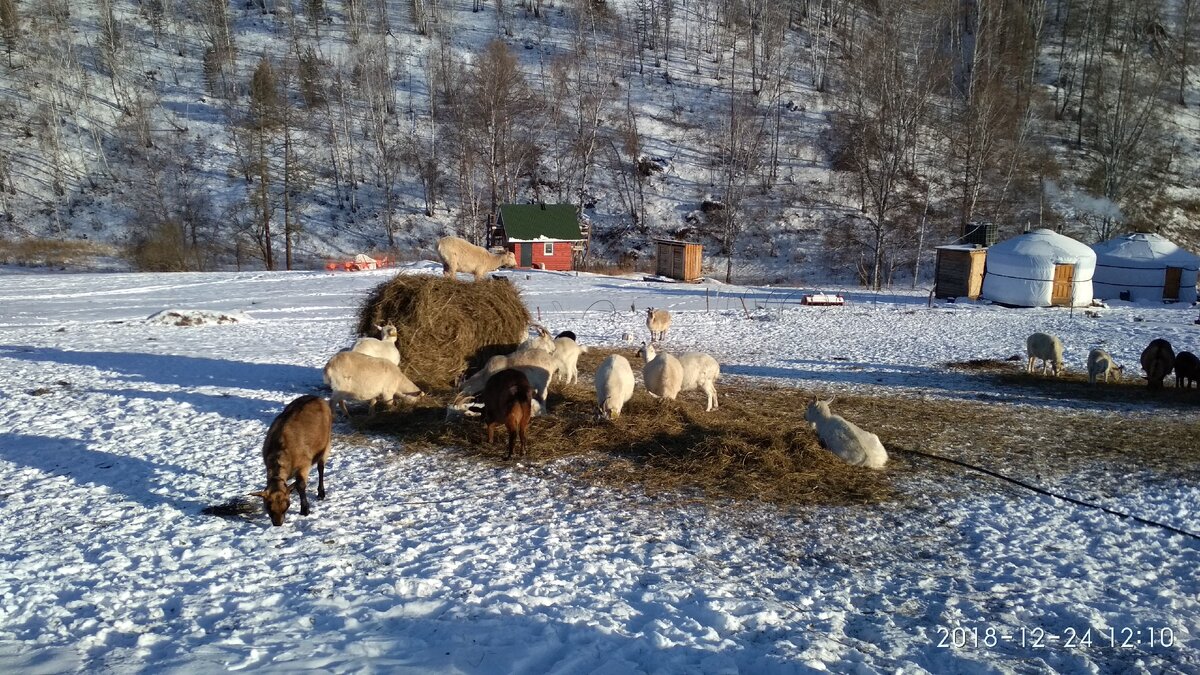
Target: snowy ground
(116, 430)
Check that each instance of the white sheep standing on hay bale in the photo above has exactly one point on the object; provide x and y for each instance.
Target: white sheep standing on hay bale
(1049, 349)
(658, 321)
(843, 438)
(614, 386)
(1100, 363)
(357, 377)
(383, 347)
(460, 255)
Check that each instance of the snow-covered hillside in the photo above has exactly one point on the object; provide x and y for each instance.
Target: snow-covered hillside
(140, 124)
(117, 429)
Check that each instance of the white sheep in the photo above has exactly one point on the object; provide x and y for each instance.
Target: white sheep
(697, 370)
(357, 377)
(843, 438)
(541, 341)
(1049, 349)
(460, 255)
(662, 373)
(383, 347)
(538, 365)
(614, 386)
(658, 321)
(566, 352)
(1100, 363)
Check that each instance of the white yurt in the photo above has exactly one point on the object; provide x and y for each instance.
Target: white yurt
(1144, 266)
(1039, 269)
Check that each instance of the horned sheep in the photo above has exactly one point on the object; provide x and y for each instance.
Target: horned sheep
(614, 386)
(1100, 363)
(658, 321)
(460, 255)
(844, 438)
(297, 438)
(1158, 360)
(1049, 349)
(357, 377)
(383, 347)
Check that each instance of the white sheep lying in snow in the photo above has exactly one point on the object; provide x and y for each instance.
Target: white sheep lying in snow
(460, 255)
(1099, 363)
(566, 352)
(844, 439)
(696, 371)
(383, 347)
(1049, 349)
(614, 386)
(357, 377)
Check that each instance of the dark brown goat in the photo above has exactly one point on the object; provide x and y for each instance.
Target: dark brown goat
(508, 400)
(1187, 370)
(299, 437)
(1158, 360)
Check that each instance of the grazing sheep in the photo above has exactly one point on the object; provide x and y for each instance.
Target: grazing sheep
(1049, 349)
(537, 364)
(843, 438)
(566, 353)
(1158, 360)
(508, 400)
(1100, 363)
(697, 370)
(357, 377)
(297, 438)
(662, 373)
(1187, 370)
(658, 321)
(541, 341)
(383, 347)
(460, 255)
(614, 386)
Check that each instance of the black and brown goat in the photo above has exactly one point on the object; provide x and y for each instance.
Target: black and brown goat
(508, 399)
(298, 438)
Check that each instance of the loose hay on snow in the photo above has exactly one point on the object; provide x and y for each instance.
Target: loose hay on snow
(756, 446)
(445, 325)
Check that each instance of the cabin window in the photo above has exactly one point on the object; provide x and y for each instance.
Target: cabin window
(548, 248)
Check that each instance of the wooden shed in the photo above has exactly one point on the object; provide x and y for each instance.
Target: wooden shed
(959, 271)
(679, 259)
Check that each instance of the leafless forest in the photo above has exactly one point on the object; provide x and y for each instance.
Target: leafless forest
(790, 134)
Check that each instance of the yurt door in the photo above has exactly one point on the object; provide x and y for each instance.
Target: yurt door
(1171, 284)
(1060, 294)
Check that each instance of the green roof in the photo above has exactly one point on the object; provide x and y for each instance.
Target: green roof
(530, 222)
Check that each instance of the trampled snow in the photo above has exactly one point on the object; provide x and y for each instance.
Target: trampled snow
(116, 431)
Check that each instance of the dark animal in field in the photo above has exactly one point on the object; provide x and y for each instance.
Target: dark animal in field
(297, 438)
(1158, 360)
(508, 401)
(1187, 370)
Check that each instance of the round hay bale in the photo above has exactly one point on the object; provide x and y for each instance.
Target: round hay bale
(446, 326)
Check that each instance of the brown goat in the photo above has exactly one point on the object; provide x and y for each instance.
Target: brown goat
(508, 400)
(299, 437)
(1158, 360)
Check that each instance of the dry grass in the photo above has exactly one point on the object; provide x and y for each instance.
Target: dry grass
(757, 447)
(446, 326)
(51, 252)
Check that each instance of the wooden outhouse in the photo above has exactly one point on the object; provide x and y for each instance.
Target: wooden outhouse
(958, 272)
(541, 236)
(679, 259)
